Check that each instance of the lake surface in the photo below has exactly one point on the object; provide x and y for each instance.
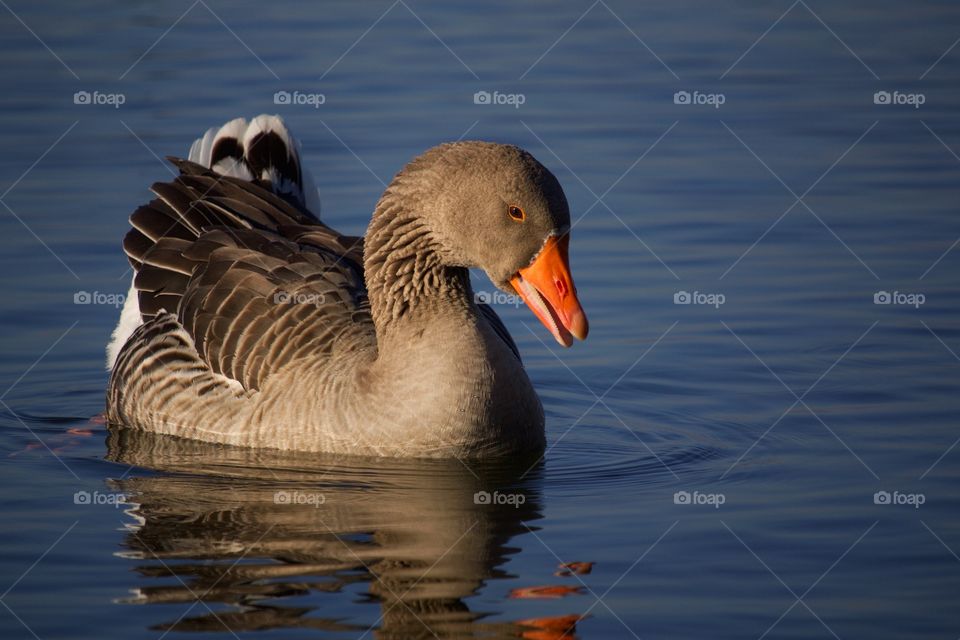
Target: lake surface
(775, 459)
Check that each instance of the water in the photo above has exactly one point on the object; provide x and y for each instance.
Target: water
(792, 403)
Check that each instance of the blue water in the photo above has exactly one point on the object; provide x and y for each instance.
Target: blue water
(781, 411)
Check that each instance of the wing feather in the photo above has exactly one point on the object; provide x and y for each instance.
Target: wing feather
(255, 281)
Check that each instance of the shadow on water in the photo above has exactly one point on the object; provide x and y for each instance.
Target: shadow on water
(246, 532)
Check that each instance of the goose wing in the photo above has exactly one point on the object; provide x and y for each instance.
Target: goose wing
(254, 280)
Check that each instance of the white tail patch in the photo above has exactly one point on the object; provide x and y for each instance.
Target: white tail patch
(130, 319)
(265, 124)
(233, 167)
(263, 150)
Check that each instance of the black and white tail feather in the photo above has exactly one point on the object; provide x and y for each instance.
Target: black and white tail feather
(261, 151)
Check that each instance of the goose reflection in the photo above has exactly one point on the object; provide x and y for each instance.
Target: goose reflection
(253, 539)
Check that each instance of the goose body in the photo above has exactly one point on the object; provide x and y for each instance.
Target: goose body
(252, 323)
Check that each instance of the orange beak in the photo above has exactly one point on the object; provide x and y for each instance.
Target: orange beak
(546, 286)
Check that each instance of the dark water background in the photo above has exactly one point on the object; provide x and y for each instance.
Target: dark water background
(793, 402)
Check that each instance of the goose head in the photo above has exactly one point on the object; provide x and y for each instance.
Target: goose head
(495, 207)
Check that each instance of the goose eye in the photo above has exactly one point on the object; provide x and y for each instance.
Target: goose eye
(517, 213)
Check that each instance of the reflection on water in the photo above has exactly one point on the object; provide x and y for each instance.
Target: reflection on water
(244, 532)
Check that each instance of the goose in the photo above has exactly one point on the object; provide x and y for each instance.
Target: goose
(251, 323)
